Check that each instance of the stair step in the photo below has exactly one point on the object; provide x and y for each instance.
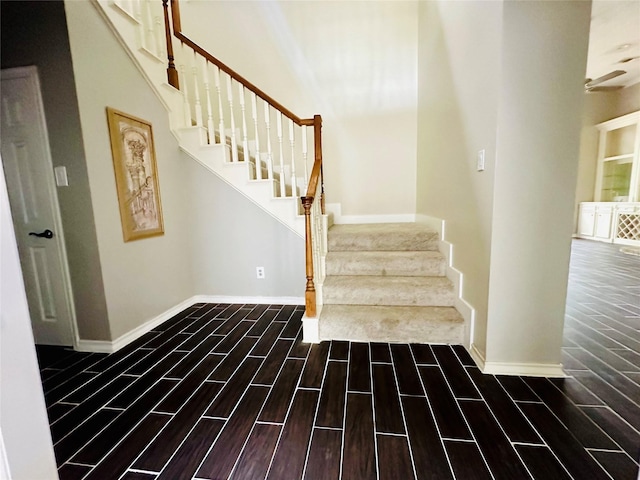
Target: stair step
(382, 236)
(387, 290)
(392, 324)
(396, 263)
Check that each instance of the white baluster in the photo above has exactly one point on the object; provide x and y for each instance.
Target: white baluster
(196, 90)
(223, 138)
(234, 144)
(207, 88)
(304, 157)
(283, 189)
(159, 36)
(292, 142)
(185, 93)
(149, 42)
(267, 121)
(254, 114)
(245, 141)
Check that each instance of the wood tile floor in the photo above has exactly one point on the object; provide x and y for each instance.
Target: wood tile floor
(229, 391)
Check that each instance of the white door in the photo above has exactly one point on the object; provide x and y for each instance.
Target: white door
(26, 160)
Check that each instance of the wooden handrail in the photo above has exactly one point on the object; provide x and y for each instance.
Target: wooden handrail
(316, 122)
(177, 32)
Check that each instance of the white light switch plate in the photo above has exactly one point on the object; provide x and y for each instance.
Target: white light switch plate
(480, 160)
(61, 176)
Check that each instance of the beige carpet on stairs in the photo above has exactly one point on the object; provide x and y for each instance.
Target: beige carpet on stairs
(386, 283)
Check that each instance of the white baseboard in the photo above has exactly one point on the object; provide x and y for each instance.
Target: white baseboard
(105, 346)
(336, 210)
(454, 275)
(434, 223)
(240, 299)
(553, 370)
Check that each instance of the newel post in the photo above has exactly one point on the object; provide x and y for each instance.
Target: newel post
(172, 73)
(310, 290)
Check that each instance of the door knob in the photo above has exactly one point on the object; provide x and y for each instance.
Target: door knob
(46, 234)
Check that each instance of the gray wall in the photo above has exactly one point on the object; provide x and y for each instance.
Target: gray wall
(35, 33)
(231, 236)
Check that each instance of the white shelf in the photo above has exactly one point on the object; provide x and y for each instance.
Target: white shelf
(626, 156)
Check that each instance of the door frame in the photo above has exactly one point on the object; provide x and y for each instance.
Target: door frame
(31, 74)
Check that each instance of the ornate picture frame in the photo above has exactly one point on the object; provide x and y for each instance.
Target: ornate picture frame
(134, 164)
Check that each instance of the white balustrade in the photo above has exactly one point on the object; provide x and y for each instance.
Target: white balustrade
(158, 31)
(254, 114)
(196, 91)
(245, 140)
(267, 121)
(185, 96)
(292, 143)
(223, 138)
(211, 133)
(283, 189)
(234, 142)
(304, 157)
(149, 34)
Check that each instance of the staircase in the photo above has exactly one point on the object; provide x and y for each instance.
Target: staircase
(248, 141)
(386, 283)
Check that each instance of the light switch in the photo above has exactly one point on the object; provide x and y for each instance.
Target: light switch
(61, 176)
(480, 160)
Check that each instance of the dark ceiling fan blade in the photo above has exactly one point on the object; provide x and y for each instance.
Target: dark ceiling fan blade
(592, 83)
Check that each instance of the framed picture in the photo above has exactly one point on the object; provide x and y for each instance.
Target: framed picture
(134, 162)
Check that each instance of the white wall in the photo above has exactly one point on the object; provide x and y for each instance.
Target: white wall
(459, 83)
(544, 48)
(24, 427)
(353, 62)
(505, 77)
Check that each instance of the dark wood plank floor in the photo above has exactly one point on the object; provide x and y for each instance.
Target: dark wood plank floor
(229, 391)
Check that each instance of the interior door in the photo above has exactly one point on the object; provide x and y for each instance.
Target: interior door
(26, 160)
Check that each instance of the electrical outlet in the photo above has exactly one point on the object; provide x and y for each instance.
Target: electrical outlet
(260, 272)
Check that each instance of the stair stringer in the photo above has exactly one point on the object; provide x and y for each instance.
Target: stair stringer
(455, 276)
(192, 140)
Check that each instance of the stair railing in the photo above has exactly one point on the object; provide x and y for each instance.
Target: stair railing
(234, 112)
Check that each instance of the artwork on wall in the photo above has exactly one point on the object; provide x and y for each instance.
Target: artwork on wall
(134, 162)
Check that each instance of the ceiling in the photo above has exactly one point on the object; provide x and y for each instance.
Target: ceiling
(614, 38)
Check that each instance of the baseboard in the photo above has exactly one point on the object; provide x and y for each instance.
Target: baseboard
(477, 356)
(453, 274)
(336, 210)
(553, 370)
(241, 299)
(105, 346)
(434, 223)
(525, 369)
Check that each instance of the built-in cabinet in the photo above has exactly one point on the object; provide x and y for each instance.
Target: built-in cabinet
(618, 170)
(615, 215)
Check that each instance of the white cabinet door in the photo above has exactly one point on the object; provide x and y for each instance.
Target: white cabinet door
(586, 221)
(603, 223)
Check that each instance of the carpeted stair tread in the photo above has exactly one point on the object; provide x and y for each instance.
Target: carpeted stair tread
(392, 324)
(387, 290)
(382, 236)
(394, 263)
